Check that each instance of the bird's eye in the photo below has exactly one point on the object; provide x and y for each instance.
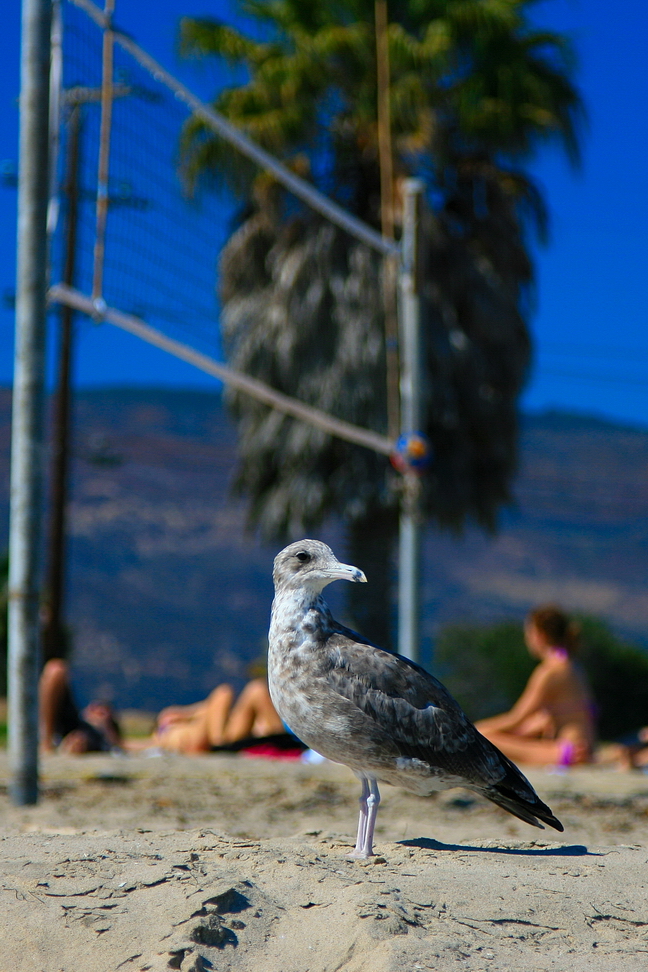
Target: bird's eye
(303, 556)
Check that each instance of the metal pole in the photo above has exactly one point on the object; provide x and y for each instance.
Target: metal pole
(61, 294)
(104, 152)
(56, 86)
(390, 262)
(28, 404)
(409, 559)
(55, 586)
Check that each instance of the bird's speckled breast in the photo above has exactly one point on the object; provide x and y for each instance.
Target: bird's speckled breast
(297, 661)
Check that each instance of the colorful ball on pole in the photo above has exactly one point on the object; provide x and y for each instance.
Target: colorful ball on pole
(413, 453)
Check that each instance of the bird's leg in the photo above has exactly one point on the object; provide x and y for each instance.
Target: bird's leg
(362, 820)
(373, 802)
(369, 803)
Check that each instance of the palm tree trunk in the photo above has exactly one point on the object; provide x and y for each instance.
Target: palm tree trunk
(371, 542)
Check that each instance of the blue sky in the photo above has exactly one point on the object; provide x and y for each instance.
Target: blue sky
(589, 328)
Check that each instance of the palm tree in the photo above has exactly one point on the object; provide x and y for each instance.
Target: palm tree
(474, 90)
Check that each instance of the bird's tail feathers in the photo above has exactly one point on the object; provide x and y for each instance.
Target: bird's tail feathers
(531, 810)
(514, 793)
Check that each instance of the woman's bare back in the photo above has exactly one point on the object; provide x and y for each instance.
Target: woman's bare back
(567, 699)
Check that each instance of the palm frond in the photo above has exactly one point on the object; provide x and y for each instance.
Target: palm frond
(204, 37)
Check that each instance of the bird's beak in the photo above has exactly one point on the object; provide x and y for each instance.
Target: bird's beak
(345, 572)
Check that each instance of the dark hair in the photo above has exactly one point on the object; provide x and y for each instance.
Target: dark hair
(556, 627)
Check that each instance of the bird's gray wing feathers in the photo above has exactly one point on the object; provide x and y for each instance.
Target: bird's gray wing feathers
(418, 712)
(425, 723)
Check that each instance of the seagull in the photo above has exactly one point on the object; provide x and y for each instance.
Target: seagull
(378, 713)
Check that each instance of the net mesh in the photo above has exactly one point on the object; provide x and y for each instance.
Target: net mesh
(162, 246)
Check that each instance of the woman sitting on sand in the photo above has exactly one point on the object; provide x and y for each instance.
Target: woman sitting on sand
(552, 723)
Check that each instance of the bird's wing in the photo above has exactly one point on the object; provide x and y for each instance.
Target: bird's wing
(418, 712)
(423, 722)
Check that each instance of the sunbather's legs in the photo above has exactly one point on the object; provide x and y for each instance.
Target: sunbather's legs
(217, 715)
(54, 696)
(180, 713)
(206, 723)
(219, 720)
(540, 725)
(60, 722)
(539, 752)
(253, 714)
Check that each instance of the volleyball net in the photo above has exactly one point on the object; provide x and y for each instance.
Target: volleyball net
(145, 250)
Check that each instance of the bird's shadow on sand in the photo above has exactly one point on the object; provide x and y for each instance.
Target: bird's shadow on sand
(565, 850)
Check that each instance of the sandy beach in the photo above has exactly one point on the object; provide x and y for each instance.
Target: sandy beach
(229, 863)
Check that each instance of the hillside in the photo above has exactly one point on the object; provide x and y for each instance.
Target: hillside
(169, 594)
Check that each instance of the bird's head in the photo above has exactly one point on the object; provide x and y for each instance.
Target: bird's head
(311, 564)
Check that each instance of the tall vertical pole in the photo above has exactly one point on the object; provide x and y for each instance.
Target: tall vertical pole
(390, 271)
(53, 646)
(27, 443)
(56, 89)
(409, 560)
(107, 94)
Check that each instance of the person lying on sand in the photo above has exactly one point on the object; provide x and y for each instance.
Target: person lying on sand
(221, 722)
(553, 721)
(62, 726)
(629, 752)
